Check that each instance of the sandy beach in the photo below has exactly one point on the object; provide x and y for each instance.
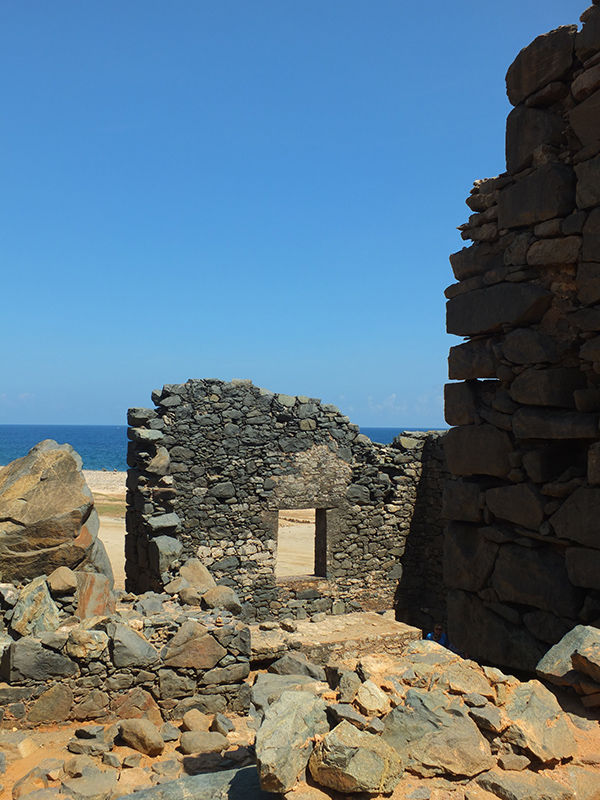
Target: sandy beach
(296, 528)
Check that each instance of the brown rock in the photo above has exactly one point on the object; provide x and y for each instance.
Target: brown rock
(554, 252)
(195, 720)
(197, 575)
(94, 595)
(521, 504)
(547, 387)
(588, 176)
(93, 706)
(487, 310)
(475, 260)
(468, 557)
(193, 647)
(527, 346)
(190, 596)
(63, 581)
(473, 359)
(588, 283)
(526, 130)
(577, 518)
(222, 597)
(548, 58)
(54, 705)
(587, 41)
(511, 784)
(546, 193)
(586, 84)
(462, 501)
(530, 423)
(460, 403)
(193, 742)
(137, 704)
(478, 450)
(590, 250)
(35, 611)
(584, 119)
(143, 736)
(44, 504)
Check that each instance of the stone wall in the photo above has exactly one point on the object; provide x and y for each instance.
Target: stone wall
(215, 462)
(522, 555)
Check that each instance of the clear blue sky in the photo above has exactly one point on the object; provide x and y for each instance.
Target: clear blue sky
(264, 189)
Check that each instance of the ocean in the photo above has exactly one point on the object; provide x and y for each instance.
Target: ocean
(104, 446)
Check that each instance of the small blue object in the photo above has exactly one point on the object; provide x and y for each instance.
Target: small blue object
(443, 640)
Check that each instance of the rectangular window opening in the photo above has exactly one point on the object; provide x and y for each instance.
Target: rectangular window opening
(301, 543)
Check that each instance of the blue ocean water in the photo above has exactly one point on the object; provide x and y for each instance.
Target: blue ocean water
(104, 446)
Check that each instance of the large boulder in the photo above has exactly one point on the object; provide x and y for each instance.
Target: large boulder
(47, 516)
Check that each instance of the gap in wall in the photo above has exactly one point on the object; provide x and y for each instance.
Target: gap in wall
(297, 542)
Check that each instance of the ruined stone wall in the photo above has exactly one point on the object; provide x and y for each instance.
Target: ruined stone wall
(523, 545)
(215, 462)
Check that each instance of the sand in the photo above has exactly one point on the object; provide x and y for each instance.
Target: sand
(296, 528)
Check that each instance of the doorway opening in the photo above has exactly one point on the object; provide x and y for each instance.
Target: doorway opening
(301, 543)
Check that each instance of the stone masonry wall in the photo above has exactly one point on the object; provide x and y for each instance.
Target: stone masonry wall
(522, 551)
(213, 464)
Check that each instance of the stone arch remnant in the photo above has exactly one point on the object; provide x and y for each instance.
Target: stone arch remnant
(213, 464)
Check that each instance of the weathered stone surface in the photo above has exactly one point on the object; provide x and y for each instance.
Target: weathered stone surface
(478, 450)
(489, 637)
(547, 387)
(46, 514)
(554, 252)
(584, 119)
(53, 705)
(475, 260)
(94, 595)
(587, 658)
(284, 741)
(583, 566)
(16, 745)
(174, 685)
(163, 523)
(557, 665)
(62, 581)
(521, 504)
(371, 700)
(587, 41)
(590, 250)
(522, 786)
(193, 742)
(143, 736)
(526, 130)
(468, 557)
(348, 760)
(195, 720)
(267, 688)
(538, 724)
(527, 346)
(545, 626)
(538, 423)
(28, 659)
(588, 282)
(130, 649)
(486, 310)
(459, 403)
(297, 664)
(536, 577)
(197, 575)
(577, 518)
(86, 644)
(137, 704)
(163, 551)
(99, 786)
(462, 501)
(193, 647)
(470, 360)
(433, 735)
(35, 611)
(344, 711)
(546, 193)
(548, 58)
(238, 784)
(588, 175)
(222, 597)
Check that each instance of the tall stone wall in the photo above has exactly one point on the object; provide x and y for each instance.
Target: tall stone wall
(522, 550)
(214, 463)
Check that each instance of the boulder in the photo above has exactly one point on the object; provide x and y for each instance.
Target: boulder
(527, 346)
(542, 423)
(468, 557)
(349, 760)
(487, 310)
(197, 575)
(54, 705)
(474, 359)
(284, 741)
(371, 700)
(433, 735)
(27, 658)
(137, 704)
(35, 611)
(94, 705)
(478, 450)
(86, 645)
(547, 387)
(459, 403)
(587, 658)
(268, 688)
(94, 595)
(537, 724)
(548, 58)
(526, 130)
(130, 649)
(162, 552)
(143, 736)
(222, 597)
(62, 581)
(47, 519)
(295, 663)
(16, 745)
(546, 193)
(577, 518)
(201, 742)
(195, 720)
(99, 786)
(235, 784)
(522, 786)
(557, 665)
(193, 647)
(462, 501)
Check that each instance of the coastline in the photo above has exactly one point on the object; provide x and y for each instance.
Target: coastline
(103, 482)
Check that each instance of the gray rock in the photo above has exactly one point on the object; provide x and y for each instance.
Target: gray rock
(348, 760)
(221, 724)
(169, 732)
(538, 725)
(100, 786)
(164, 522)
(347, 712)
(143, 736)
(35, 610)
(163, 551)
(197, 575)
(130, 649)
(150, 603)
(222, 597)
(28, 659)
(284, 740)
(349, 685)
(556, 665)
(62, 581)
(522, 786)
(89, 747)
(486, 310)
(433, 735)
(236, 784)
(297, 664)
(53, 705)
(172, 684)
(193, 742)
(478, 450)
(267, 688)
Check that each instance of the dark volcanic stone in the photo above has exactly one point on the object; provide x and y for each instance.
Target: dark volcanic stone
(534, 423)
(459, 403)
(468, 557)
(487, 310)
(546, 193)
(526, 130)
(577, 518)
(470, 360)
(478, 450)
(548, 58)
(547, 387)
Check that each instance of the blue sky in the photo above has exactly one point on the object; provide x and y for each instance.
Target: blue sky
(264, 189)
